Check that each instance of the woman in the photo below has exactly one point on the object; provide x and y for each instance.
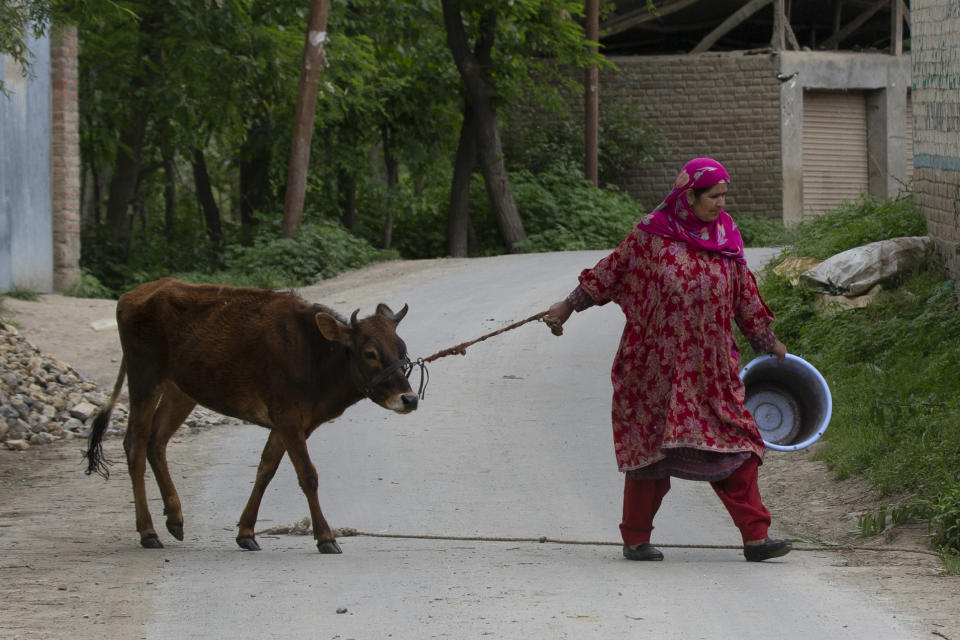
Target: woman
(681, 278)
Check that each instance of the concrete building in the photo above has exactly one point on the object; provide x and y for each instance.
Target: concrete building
(764, 87)
(40, 167)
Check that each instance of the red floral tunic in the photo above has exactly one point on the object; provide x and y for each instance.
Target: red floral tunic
(676, 381)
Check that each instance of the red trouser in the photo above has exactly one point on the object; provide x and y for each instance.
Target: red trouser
(738, 492)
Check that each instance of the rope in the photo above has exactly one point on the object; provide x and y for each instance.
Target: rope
(349, 532)
(461, 349)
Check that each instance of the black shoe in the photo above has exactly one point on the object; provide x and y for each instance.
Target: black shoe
(644, 551)
(769, 549)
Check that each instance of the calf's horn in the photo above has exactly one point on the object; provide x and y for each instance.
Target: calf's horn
(790, 401)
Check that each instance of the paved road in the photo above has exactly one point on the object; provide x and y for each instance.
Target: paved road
(512, 440)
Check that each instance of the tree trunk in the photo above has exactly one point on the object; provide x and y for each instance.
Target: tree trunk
(489, 150)
(255, 171)
(393, 177)
(347, 192)
(90, 200)
(458, 221)
(313, 63)
(208, 204)
(169, 191)
(123, 184)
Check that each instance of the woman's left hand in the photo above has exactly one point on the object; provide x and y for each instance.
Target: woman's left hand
(557, 314)
(780, 350)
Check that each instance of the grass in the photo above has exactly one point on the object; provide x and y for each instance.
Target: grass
(20, 293)
(951, 564)
(891, 368)
(4, 312)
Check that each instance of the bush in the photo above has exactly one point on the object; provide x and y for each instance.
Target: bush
(763, 232)
(88, 286)
(858, 223)
(538, 144)
(419, 219)
(946, 515)
(561, 212)
(322, 249)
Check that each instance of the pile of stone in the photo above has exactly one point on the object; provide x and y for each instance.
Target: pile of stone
(43, 399)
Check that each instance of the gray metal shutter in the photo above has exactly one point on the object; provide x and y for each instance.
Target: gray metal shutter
(834, 149)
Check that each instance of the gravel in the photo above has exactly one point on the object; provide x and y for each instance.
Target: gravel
(44, 400)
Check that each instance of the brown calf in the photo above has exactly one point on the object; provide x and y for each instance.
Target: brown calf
(266, 358)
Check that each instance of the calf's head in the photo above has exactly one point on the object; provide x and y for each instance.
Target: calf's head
(378, 357)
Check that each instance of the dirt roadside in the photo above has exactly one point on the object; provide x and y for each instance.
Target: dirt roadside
(41, 574)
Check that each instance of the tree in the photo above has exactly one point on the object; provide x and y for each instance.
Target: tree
(133, 132)
(526, 45)
(17, 20)
(313, 63)
(187, 118)
(180, 101)
(486, 133)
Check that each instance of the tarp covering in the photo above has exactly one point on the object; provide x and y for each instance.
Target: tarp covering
(855, 271)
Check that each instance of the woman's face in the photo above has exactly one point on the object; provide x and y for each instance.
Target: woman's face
(707, 207)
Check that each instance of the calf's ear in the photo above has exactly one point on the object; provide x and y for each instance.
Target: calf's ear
(332, 329)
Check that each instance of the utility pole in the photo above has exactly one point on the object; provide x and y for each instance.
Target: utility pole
(592, 98)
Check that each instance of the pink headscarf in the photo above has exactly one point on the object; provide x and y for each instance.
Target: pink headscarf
(673, 218)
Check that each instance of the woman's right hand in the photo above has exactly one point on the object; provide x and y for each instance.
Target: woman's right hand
(557, 314)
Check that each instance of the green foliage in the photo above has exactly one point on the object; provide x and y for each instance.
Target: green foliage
(560, 211)
(764, 232)
(17, 21)
(164, 83)
(539, 144)
(946, 516)
(566, 213)
(88, 286)
(951, 562)
(887, 517)
(322, 249)
(896, 410)
(152, 255)
(857, 223)
(20, 293)
(536, 40)
(419, 217)
(624, 141)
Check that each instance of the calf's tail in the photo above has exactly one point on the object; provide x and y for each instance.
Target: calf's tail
(96, 463)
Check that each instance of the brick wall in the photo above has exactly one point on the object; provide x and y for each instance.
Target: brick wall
(722, 105)
(935, 42)
(64, 157)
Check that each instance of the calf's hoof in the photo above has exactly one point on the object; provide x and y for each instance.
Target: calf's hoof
(151, 541)
(176, 530)
(328, 546)
(248, 544)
